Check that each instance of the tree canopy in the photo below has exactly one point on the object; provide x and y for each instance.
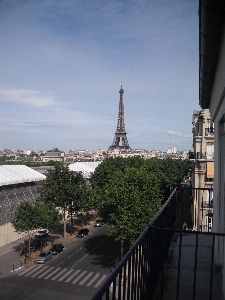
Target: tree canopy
(129, 201)
(27, 218)
(128, 192)
(63, 189)
(31, 216)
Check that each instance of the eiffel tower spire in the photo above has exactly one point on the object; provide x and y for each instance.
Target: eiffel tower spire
(120, 130)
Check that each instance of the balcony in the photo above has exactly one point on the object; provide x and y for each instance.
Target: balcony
(209, 132)
(168, 260)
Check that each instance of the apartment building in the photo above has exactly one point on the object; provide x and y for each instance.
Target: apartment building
(203, 174)
(212, 97)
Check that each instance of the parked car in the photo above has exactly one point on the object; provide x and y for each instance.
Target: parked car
(98, 223)
(35, 244)
(57, 248)
(83, 232)
(41, 233)
(44, 256)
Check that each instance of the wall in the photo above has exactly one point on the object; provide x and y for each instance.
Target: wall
(217, 111)
(8, 234)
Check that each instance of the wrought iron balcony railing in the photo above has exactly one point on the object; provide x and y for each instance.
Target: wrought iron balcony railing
(143, 273)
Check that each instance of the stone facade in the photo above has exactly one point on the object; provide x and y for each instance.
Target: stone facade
(203, 175)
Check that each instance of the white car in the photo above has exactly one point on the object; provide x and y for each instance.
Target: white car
(98, 223)
(41, 233)
(44, 256)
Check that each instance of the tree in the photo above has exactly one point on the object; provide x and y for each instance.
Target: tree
(48, 214)
(110, 166)
(64, 190)
(129, 201)
(29, 217)
(52, 163)
(128, 192)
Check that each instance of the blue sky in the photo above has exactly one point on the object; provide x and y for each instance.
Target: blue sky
(62, 64)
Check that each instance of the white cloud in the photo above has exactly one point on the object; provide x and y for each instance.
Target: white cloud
(62, 63)
(28, 97)
(170, 132)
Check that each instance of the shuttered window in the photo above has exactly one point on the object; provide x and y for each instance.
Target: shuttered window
(210, 169)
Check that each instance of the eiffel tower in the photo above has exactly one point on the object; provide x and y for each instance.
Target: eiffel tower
(120, 130)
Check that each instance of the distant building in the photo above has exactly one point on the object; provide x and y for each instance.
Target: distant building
(27, 152)
(171, 150)
(54, 155)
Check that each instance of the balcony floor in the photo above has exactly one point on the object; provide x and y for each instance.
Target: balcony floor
(187, 263)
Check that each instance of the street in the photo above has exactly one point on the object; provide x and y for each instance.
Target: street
(76, 273)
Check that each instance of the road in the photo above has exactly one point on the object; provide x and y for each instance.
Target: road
(76, 273)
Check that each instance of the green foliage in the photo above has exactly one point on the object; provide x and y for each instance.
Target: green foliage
(26, 218)
(129, 201)
(49, 215)
(169, 171)
(53, 163)
(64, 190)
(110, 166)
(128, 192)
(30, 216)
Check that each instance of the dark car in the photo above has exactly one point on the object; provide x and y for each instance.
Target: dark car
(57, 248)
(82, 233)
(35, 244)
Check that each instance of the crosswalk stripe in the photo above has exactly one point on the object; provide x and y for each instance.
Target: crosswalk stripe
(24, 271)
(56, 270)
(86, 278)
(46, 272)
(68, 279)
(64, 276)
(78, 277)
(100, 281)
(41, 270)
(32, 271)
(93, 279)
(56, 276)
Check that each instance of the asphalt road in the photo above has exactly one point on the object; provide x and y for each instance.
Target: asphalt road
(76, 273)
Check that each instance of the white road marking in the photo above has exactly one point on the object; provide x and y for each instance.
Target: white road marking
(100, 281)
(32, 271)
(46, 272)
(79, 249)
(64, 276)
(87, 253)
(86, 278)
(41, 270)
(56, 276)
(59, 264)
(77, 272)
(26, 270)
(78, 277)
(56, 270)
(93, 279)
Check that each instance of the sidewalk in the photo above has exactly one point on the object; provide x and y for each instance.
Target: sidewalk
(9, 254)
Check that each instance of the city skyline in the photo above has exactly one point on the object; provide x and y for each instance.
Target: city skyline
(63, 64)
